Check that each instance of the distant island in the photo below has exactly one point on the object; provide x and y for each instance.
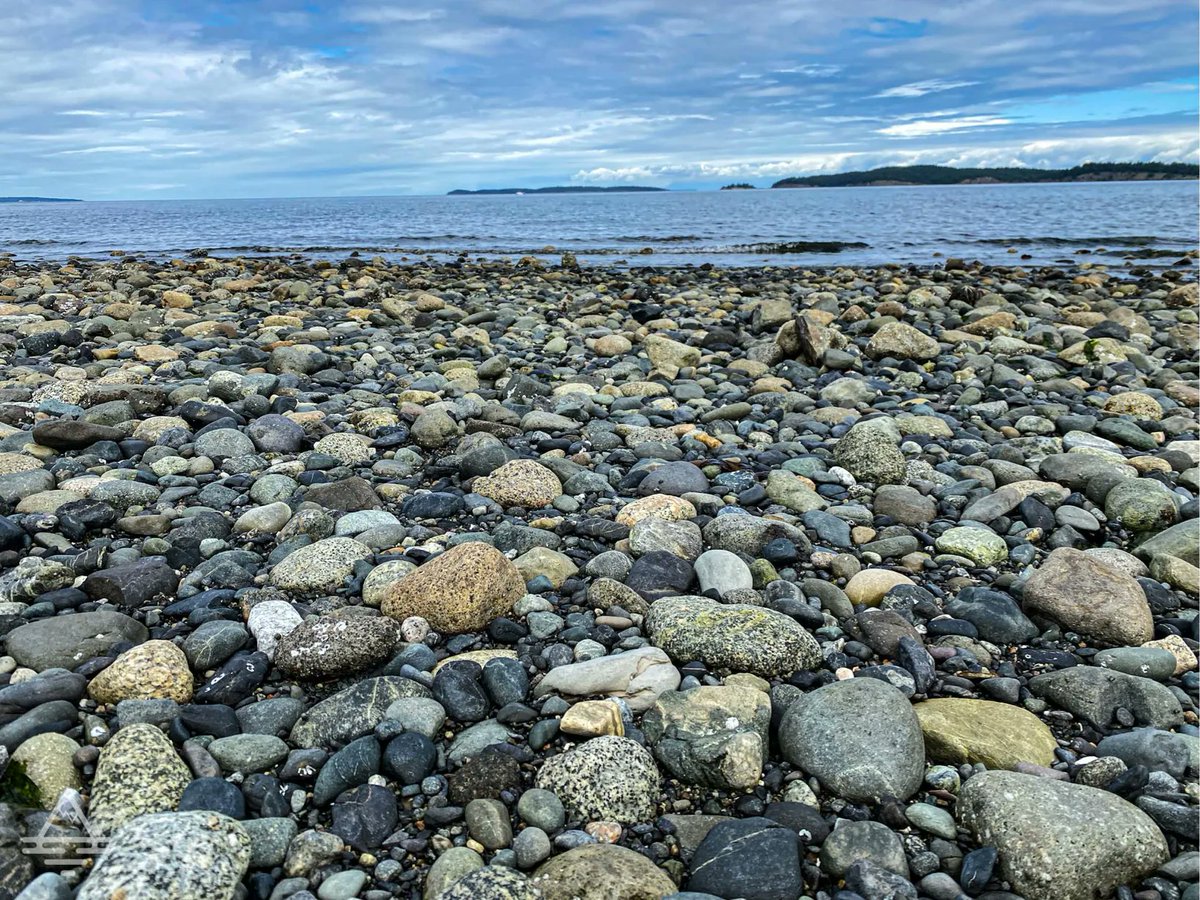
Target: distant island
(39, 200)
(917, 175)
(740, 186)
(571, 189)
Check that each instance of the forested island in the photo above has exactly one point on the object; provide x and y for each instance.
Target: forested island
(570, 189)
(921, 175)
(739, 186)
(39, 200)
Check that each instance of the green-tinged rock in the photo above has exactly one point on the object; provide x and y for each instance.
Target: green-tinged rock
(1141, 504)
(981, 546)
(731, 637)
(869, 453)
(998, 735)
(47, 760)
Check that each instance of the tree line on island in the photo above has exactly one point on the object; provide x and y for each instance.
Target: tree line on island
(915, 175)
(921, 175)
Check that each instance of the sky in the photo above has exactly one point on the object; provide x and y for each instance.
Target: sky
(136, 99)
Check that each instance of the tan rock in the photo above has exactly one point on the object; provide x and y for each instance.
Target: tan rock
(151, 671)
(668, 356)
(536, 561)
(520, 482)
(662, 506)
(1185, 659)
(592, 718)
(1133, 403)
(868, 586)
(461, 590)
(1083, 594)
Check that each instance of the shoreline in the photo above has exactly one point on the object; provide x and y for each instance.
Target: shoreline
(530, 579)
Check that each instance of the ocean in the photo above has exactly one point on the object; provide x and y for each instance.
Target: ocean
(1119, 224)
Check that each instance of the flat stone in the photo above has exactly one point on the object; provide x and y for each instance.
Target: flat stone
(70, 640)
(732, 636)
(998, 735)
(1095, 694)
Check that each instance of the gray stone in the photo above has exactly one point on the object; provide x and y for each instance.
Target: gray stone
(869, 453)
(608, 777)
(1060, 841)
(269, 839)
(859, 737)
(319, 568)
(715, 736)
(1095, 694)
(851, 841)
(723, 572)
(1159, 751)
(169, 856)
(332, 646)
(248, 753)
(353, 712)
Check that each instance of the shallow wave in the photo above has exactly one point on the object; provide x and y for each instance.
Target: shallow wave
(1130, 240)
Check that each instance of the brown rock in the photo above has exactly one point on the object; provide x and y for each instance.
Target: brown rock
(1084, 595)
(461, 590)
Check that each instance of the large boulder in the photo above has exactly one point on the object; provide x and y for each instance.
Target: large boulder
(1083, 594)
(859, 737)
(1060, 841)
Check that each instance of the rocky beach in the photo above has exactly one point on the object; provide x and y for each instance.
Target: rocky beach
(495, 580)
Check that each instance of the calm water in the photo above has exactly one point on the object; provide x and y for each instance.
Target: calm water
(1116, 222)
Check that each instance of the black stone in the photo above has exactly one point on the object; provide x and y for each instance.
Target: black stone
(409, 757)
(754, 859)
(490, 773)
(364, 816)
(456, 686)
(213, 795)
(660, 574)
(236, 680)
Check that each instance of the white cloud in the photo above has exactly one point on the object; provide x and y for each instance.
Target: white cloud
(927, 127)
(921, 88)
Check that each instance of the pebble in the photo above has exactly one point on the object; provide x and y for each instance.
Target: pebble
(621, 580)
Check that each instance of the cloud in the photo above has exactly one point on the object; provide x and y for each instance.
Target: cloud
(104, 98)
(921, 88)
(926, 127)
